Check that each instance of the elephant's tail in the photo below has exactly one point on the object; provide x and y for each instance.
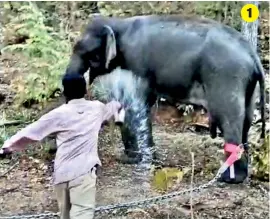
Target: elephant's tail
(260, 76)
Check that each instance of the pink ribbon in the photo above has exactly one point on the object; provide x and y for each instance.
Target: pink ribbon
(236, 152)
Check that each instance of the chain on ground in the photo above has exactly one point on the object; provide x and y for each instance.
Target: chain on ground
(143, 203)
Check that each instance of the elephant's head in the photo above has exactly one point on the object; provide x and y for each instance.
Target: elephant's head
(94, 51)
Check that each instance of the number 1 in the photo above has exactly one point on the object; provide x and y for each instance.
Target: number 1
(249, 12)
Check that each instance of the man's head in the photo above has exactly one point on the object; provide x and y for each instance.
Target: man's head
(74, 86)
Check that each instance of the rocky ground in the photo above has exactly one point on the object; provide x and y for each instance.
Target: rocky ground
(26, 189)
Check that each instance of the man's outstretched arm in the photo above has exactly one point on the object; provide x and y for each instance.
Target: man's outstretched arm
(46, 125)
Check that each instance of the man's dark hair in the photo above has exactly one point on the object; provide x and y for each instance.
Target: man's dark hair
(74, 86)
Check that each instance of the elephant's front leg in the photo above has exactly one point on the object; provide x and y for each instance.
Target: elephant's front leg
(151, 142)
(137, 137)
(131, 153)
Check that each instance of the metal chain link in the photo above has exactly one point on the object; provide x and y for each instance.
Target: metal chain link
(43, 215)
(160, 198)
(144, 202)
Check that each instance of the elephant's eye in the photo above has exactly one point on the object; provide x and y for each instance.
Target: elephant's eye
(94, 57)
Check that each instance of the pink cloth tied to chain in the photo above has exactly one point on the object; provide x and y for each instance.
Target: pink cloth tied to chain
(236, 152)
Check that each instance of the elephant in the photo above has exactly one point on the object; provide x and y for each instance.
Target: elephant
(190, 59)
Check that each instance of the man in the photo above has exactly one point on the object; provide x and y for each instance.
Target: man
(76, 125)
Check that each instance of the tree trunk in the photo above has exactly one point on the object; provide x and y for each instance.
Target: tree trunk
(250, 30)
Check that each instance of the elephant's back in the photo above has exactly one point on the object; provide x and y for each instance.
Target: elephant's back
(160, 39)
(153, 43)
(185, 23)
(177, 34)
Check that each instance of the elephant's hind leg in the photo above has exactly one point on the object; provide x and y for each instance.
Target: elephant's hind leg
(228, 110)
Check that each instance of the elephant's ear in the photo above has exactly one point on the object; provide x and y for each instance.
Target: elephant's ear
(110, 45)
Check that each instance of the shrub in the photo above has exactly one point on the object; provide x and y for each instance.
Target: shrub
(46, 53)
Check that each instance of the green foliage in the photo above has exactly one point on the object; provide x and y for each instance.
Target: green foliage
(45, 51)
(222, 11)
(124, 9)
(165, 178)
(260, 161)
(3, 136)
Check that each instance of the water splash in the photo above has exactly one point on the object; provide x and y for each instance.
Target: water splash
(128, 89)
(123, 86)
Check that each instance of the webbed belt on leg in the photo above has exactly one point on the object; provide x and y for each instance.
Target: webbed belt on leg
(235, 154)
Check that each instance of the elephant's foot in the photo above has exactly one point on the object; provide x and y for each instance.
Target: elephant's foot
(130, 158)
(240, 170)
(133, 157)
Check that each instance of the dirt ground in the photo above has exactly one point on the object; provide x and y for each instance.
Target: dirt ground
(27, 189)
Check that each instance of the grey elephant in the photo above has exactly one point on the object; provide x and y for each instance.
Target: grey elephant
(190, 59)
